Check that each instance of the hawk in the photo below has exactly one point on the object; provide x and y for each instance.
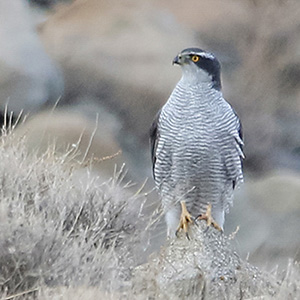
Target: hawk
(196, 146)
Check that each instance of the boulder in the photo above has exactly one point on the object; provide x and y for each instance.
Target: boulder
(88, 139)
(203, 267)
(29, 78)
(119, 53)
(267, 212)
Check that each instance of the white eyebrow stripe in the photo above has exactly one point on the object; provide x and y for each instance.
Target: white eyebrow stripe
(204, 54)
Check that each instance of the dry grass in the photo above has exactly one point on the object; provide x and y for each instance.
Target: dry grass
(63, 227)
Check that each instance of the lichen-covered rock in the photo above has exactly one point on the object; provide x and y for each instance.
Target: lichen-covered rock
(204, 267)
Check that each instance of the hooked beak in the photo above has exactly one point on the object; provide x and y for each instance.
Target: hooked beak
(177, 60)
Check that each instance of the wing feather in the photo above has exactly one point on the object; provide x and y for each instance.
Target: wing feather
(240, 146)
(154, 138)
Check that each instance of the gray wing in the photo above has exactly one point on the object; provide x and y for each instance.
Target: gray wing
(240, 141)
(154, 138)
(237, 131)
(240, 145)
(231, 152)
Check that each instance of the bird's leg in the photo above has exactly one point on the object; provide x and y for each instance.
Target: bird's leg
(209, 219)
(185, 219)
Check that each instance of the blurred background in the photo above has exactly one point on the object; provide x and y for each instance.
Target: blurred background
(102, 69)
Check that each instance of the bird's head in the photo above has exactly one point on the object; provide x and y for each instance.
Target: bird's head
(199, 66)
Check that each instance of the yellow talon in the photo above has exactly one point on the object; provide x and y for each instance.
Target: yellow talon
(185, 219)
(209, 219)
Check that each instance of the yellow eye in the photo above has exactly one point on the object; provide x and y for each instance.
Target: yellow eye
(195, 58)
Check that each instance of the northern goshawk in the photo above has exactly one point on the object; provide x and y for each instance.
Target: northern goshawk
(197, 145)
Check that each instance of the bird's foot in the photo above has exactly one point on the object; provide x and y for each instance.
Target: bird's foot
(209, 219)
(185, 219)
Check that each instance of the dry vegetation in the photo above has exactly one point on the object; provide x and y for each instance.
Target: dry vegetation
(66, 235)
(60, 226)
